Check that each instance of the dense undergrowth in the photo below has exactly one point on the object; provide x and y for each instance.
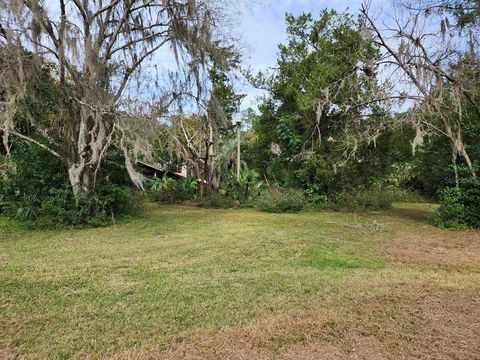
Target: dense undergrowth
(250, 192)
(34, 190)
(460, 206)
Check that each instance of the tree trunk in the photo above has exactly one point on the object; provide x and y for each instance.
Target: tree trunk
(208, 171)
(210, 158)
(81, 180)
(455, 169)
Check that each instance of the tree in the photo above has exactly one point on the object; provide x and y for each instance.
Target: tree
(466, 12)
(220, 108)
(95, 50)
(196, 139)
(427, 71)
(320, 108)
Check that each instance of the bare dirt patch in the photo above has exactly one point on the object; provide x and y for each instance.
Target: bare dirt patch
(427, 326)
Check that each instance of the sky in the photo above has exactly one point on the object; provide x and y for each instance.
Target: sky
(261, 27)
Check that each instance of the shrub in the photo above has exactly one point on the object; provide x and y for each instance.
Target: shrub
(364, 200)
(405, 196)
(451, 213)
(460, 207)
(471, 201)
(171, 191)
(246, 189)
(57, 208)
(277, 200)
(214, 199)
(315, 198)
(34, 189)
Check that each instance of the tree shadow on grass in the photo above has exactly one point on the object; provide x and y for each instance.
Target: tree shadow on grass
(422, 213)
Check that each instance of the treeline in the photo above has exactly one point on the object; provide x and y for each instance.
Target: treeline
(356, 115)
(82, 99)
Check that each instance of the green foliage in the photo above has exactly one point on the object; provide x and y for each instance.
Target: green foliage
(364, 200)
(466, 12)
(97, 209)
(244, 190)
(34, 189)
(471, 201)
(171, 191)
(277, 200)
(315, 198)
(222, 94)
(432, 167)
(288, 135)
(216, 200)
(451, 213)
(319, 53)
(460, 207)
(306, 128)
(307, 136)
(405, 195)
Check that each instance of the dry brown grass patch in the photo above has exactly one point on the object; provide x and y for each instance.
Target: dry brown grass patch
(422, 325)
(436, 246)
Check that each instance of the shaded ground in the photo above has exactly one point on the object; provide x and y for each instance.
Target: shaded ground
(185, 283)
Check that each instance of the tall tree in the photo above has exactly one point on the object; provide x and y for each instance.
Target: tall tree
(195, 139)
(427, 64)
(96, 50)
(320, 107)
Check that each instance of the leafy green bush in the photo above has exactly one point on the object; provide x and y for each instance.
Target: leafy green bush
(451, 213)
(171, 191)
(315, 198)
(403, 195)
(277, 200)
(471, 201)
(34, 189)
(364, 200)
(460, 207)
(98, 209)
(214, 199)
(244, 190)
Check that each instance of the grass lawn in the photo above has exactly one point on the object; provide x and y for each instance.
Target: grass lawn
(177, 272)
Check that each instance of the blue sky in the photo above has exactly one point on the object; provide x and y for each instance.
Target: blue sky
(261, 27)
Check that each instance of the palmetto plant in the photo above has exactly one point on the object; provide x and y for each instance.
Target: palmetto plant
(26, 211)
(247, 186)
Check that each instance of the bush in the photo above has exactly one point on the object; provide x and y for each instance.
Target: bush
(364, 200)
(34, 189)
(471, 201)
(315, 198)
(460, 207)
(404, 196)
(58, 208)
(171, 191)
(451, 213)
(215, 200)
(278, 200)
(246, 189)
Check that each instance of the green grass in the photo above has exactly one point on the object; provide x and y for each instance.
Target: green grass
(343, 261)
(178, 270)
